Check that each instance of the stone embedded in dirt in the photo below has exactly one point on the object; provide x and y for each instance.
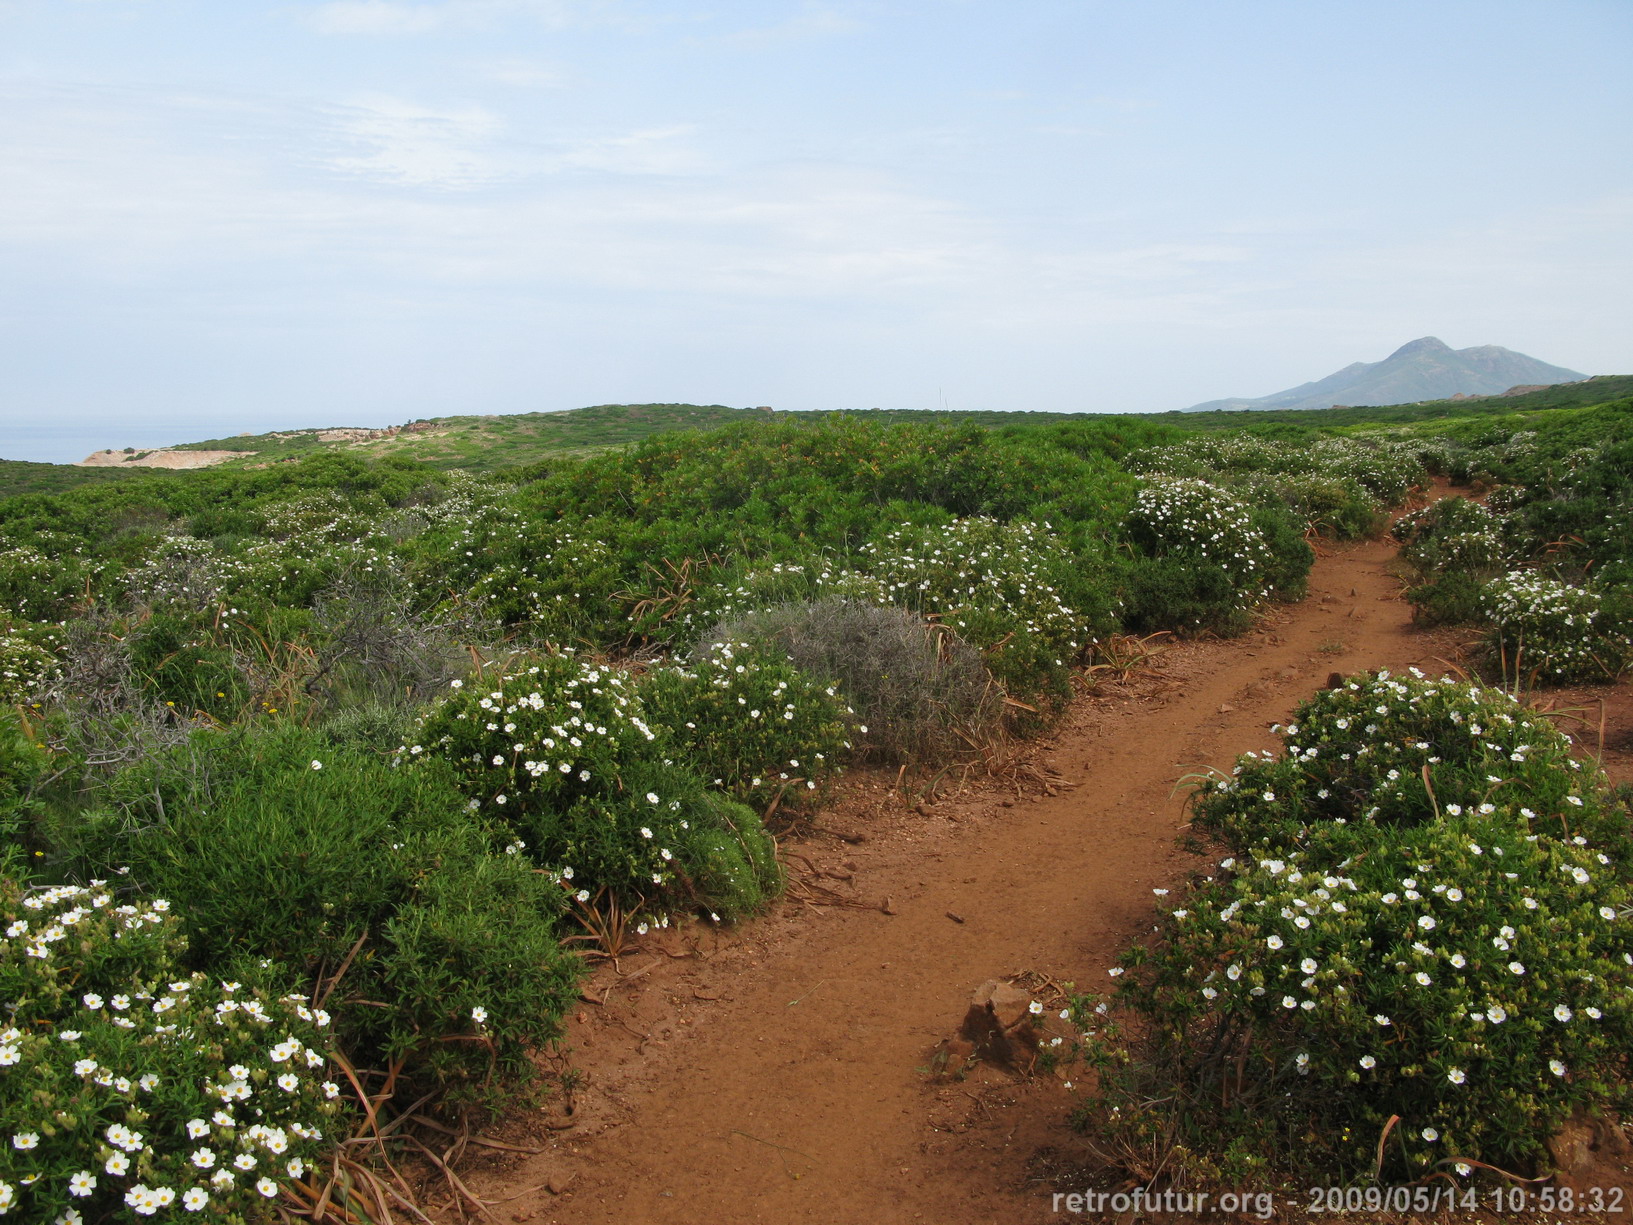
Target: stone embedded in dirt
(998, 1026)
(1225, 708)
(557, 1181)
(1587, 1151)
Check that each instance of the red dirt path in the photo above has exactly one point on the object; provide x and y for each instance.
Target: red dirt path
(778, 1073)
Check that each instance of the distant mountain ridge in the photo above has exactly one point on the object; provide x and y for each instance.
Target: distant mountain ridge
(1423, 369)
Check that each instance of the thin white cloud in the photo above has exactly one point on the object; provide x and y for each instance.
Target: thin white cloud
(377, 17)
(654, 151)
(401, 17)
(813, 21)
(523, 74)
(401, 142)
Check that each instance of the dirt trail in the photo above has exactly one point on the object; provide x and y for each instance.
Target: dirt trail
(777, 1075)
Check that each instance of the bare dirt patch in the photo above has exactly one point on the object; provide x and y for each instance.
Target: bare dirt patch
(782, 1071)
(159, 459)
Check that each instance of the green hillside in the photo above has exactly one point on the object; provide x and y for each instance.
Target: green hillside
(492, 443)
(484, 443)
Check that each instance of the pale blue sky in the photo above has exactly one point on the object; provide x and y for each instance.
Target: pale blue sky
(223, 216)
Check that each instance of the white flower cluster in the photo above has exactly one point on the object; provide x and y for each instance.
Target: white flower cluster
(1553, 629)
(1192, 518)
(129, 1096)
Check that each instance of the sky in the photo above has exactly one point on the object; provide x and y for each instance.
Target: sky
(226, 217)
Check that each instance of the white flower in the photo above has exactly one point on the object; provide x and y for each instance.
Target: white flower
(203, 1158)
(1422, 979)
(1456, 1076)
(1430, 1134)
(1272, 941)
(479, 1014)
(1515, 967)
(25, 1140)
(1382, 1020)
(117, 1164)
(1561, 1013)
(1496, 1014)
(194, 1198)
(1367, 1061)
(1035, 1008)
(317, 765)
(266, 1187)
(1557, 1068)
(82, 1183)
(1426, 922)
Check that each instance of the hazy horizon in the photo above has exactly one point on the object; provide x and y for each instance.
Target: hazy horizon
(219, 219)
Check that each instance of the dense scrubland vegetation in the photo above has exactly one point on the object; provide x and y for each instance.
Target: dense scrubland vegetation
(317, 779)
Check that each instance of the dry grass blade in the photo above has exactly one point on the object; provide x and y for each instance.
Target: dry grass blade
(606, 925)
(1383, 1136)
(1121, 654)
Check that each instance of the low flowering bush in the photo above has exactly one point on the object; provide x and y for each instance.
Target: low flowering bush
(24, 667)
(130, 1088)
(1459, 956)
(751, 722)
(922, 693)
(562, 752)
(1451, 534)
(1001, 587)
(1190, 518)
(1338, 486)
(783, 583)
(41, 586)
(320, 858)
(1553, 631)
(1386, 750)
(1208, 559)
(559, 584)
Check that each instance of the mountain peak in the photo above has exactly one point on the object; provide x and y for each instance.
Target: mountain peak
(1422, 369)
(1422, 345)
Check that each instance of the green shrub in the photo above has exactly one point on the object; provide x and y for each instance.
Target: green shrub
(1423, 535)
(750, 721)
(563, 754)
(290, 847)
(1199, 526)
(1455, 952)
(1287, 572)
(1002, 587)
(1337, 487)
(130, 1087)
(922, 693)
(40, 586)
(1553, 631)
(782, 583)
(24, 667)
(1183, 594)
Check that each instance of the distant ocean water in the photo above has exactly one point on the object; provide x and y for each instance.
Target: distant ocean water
(70, 442)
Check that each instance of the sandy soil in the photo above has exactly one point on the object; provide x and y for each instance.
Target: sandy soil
(159, 459)
(779, 1072)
